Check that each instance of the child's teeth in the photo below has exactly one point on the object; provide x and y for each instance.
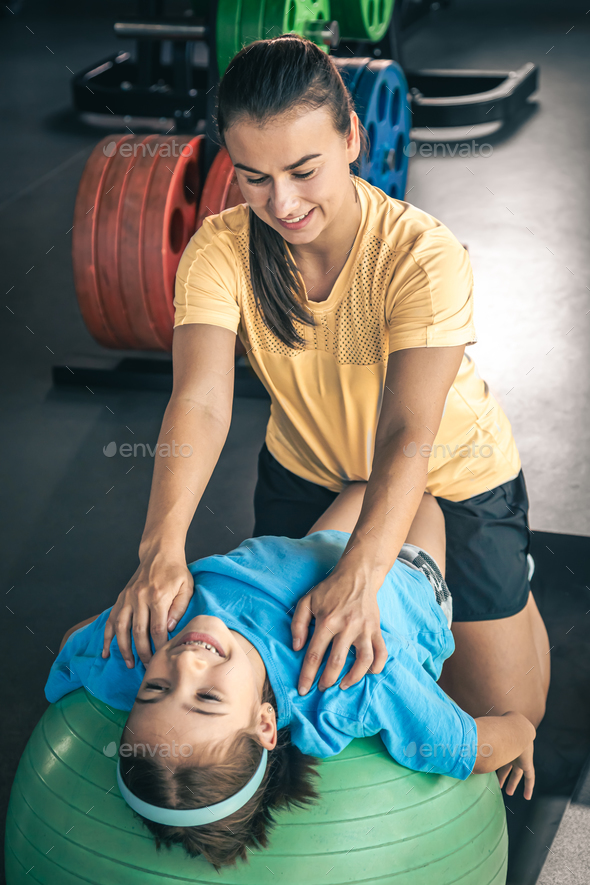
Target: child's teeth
(203, 644)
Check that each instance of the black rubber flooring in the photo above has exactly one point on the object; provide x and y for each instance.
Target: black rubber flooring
(72, 518)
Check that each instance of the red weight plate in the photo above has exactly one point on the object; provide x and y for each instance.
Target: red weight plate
(131, 231)
(84, 239)
(170, 219)
(221, 190)
(115, 189)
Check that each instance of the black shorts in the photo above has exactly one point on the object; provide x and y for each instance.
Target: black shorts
(487, 536)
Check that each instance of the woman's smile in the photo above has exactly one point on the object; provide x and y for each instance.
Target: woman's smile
(297, 225)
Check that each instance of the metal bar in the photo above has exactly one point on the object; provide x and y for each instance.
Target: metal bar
(467, 101)
(161, 31)
(148, 57)
(182, 62)
(328, 32)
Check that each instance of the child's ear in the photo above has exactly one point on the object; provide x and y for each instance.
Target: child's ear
(267, 727)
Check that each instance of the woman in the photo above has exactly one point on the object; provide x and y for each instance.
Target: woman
(355, 310)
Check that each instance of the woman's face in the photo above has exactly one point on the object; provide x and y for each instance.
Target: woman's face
(194, 695)
(262, 154)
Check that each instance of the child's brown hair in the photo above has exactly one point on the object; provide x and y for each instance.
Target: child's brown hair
(287, 781)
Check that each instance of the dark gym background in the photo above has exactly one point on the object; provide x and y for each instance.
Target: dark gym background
(72, 518)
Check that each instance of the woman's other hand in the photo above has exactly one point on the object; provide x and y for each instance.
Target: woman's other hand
(347, 614)
(151, 604)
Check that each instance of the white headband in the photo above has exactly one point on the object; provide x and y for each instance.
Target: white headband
(194, 817)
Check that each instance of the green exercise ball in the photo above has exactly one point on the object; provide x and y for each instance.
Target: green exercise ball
(377, 822)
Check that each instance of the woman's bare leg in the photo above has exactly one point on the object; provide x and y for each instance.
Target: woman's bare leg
(344, 511)
(500, 665)
(497, 665)
(427, 530)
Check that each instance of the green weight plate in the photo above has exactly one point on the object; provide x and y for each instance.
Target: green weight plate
(227, 32)
(252, 22)
(362, 19)
(376, 822)
(282, 16)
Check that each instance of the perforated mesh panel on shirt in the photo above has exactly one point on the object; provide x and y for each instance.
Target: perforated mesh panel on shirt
(354, 332)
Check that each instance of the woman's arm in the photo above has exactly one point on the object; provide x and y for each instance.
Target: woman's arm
(195, 426)
(344, 605)
(416, 386)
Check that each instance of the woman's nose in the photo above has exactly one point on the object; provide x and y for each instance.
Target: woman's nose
(285, 201)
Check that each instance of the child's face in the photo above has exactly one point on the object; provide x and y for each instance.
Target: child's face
(192, 695)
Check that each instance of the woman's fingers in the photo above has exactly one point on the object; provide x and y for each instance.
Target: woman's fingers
(122, 629)
(109, 632)
(364, 661)
(140, 628)
(373, 661)
(301, 621)
(313, 657)
(179, 605)
(381, 653)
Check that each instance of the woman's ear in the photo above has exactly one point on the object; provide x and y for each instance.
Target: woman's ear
(353, 141)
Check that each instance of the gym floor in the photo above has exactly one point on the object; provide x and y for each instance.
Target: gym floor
(73, 517)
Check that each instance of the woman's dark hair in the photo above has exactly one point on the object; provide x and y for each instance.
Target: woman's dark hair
(287, 781)
(265, 79)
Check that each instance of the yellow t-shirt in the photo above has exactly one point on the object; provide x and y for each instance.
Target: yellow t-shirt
(407, 282)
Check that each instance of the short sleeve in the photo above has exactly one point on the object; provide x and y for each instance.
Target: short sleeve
(207, 285)
(429, 301)
(80, 665)
(421, 726)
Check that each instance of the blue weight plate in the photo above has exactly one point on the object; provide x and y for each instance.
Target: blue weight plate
(381, 102)
(351, 70)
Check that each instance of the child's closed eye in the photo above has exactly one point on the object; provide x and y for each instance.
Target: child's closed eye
(203, 695)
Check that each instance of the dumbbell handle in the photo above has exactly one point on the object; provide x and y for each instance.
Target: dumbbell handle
(161, 31)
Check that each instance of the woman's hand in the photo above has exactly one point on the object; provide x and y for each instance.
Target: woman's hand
(152, 603)
(346, 613)
(523, 764)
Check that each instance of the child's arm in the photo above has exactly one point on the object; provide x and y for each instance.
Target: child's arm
(508, 740)
(74, 628)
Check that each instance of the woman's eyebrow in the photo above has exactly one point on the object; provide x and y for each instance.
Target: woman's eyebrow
(286, 168)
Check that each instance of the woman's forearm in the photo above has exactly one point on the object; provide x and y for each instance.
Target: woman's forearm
(392, 497)
(195, 436)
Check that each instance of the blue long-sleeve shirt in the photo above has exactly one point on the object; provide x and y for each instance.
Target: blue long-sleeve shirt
(254, 589)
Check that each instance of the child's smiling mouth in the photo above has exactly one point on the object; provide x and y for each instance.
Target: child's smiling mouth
(203, 640)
